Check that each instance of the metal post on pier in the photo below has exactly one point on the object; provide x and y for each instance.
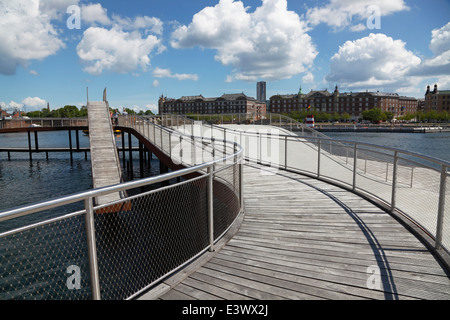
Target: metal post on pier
(355, 158)
(70, 145)
(394, 181)
(92, 249)
(36, 142)
(130, 155)
(318, 158)
(29, 145)
(211, 208)
(440, 218)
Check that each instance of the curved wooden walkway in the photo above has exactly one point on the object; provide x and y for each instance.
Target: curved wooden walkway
(305, 239)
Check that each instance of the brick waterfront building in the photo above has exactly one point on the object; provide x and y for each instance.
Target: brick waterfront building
(437, 100)
(227, 103)
(353, 103)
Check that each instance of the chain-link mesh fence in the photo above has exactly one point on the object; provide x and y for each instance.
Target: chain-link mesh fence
(37, 263)
(139, 239)
(400, 180)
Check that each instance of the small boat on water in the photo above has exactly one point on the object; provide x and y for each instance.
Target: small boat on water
(86, 132)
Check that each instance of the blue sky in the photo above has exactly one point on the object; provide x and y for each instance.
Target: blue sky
(141, 49)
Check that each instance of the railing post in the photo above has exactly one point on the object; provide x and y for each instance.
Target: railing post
(92, 249)
(394, 181)
(181, 149)
(355, 157)
(440, 218)
(285, 152)
(211, 208)
(259, 151)
(241, 183)
(170, 144)
(318, 158)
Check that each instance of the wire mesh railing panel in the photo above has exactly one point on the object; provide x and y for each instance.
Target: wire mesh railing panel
(149, 236)
(374, 173)
(226, 197)
(302, 155)
(417, 192)
(47, 262)
(446, 216)
(336, 161)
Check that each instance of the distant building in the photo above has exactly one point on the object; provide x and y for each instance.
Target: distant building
(353, 103)
(261, 93)
(437, 100)
(3, 114)
(227, 103)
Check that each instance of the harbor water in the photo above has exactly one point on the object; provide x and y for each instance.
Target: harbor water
(436, 145)
(24, 182)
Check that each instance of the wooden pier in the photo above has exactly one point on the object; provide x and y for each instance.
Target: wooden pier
(313, 241)
(106, 170)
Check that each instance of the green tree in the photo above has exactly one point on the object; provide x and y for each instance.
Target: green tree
(374, 115)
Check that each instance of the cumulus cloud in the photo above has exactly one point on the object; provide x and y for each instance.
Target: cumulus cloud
(439, 64)
(26, 33)
(123, 47)
(440, 39)
(95, 14)
(56, 9)
(340, 14)
(373, 61)
(166, 73)
(12, 105)
(270, 43)
(116, 50)
(35, 103)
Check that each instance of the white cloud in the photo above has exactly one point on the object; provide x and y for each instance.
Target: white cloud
(123, 47)
(95, 14)
(116, 50)
(340, 14)
(56, 9)
(26, 34)
(440, 39)
(308, 78)
(12, 105)
(149, 24)
(35, 103)
(439, 64)
(270, 43)
(373, 61)
(155, 83)
(166, 73)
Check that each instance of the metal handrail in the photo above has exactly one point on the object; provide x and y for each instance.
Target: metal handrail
(205, 169)
(441, 166)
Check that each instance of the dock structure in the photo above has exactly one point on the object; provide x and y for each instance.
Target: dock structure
(303, 226)
(302, 238)
(106, 170)
(312, 241)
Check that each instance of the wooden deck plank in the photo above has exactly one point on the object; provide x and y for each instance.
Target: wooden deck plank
(316, 241)
(106, 170)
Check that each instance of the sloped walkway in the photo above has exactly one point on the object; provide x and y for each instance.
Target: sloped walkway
(305, 239)
(106, 169)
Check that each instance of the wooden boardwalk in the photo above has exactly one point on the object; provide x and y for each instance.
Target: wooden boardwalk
(106, 170)
(305, 239)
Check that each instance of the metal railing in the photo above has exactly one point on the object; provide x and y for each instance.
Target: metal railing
(412, 185)
(67, 248)
(43, 122)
